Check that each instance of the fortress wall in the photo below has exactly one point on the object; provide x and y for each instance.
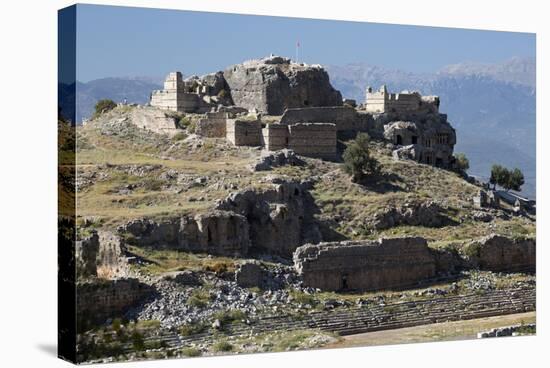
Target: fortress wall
(316, 140)
(213, 125)
(244, 132)
(99, 300)
(275, 136)
(365, 265)
(344, 117)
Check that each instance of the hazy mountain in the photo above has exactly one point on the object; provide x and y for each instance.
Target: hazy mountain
(516, 70)
(133, 89)
(492, 107)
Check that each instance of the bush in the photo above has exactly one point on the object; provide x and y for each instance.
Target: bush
(230, 316)
(102, 106)
(357, 159)
(222, 346)
(199, 299)
(191, 352)
(192, 329)
(137, 341)
(179, 136)
(462, 162)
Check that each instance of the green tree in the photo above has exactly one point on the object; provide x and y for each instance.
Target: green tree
(102, 106)
(499, 175)
(357, 159)
(515, 180)
(462, 162)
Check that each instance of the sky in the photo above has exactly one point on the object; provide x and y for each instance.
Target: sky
(125, 41)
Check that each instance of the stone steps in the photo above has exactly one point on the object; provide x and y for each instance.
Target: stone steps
(377, 318)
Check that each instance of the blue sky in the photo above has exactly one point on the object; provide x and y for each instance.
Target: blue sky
(124, 41)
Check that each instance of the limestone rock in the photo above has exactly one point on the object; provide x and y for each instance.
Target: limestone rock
(250, 274)
(274, 84)
(499, 253)
(283, 157)
(413, 214)
(86, 251)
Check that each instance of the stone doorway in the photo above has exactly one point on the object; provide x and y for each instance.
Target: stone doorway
(399, 140)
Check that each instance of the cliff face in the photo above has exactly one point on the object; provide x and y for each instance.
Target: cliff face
(274, 84)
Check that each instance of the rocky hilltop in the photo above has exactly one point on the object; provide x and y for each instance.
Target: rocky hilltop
(273, 84)
(194, 228)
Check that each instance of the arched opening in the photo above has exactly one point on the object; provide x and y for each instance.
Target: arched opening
(399, 140)
(414, 139)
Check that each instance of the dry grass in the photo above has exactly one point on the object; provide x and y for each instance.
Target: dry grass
(162, 261)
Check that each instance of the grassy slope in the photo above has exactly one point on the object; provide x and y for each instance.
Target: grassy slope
(107, 149)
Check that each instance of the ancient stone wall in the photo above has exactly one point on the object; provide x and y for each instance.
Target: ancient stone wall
(213, 124)
(499, 253)
(405, 102)
(175, 97)
(244, 132)
(365, 265)
(155, 120)
(343, 116)
(306, 139)
(314, 140)
(275, 137)
(101, 299)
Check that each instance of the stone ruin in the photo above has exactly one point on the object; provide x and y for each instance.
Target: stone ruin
(309, 113)
(382, 101)
(398, 263)
(365, 265)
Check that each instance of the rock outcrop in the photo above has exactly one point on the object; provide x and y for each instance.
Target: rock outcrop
(499, 253)
(86, 251)
(365, 265)
(216, 232)
(277, 217)
(269, 160)
(274, 84)
(413, 214)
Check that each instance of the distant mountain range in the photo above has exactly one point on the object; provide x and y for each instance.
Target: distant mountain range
(492, 106)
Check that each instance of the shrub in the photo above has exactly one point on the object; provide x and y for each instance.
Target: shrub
(137, 341)
(357, 159)
(192, 329)
(199, 298)
(222, 346)
(302, 298)
(191, 352)
(179, 136)
(462, 162)
(102, 106)
(230, 316)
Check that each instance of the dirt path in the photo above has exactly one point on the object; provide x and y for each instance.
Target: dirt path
(458, 330)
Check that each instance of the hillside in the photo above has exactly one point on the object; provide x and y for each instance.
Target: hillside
(492, 106)
(127, 172)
